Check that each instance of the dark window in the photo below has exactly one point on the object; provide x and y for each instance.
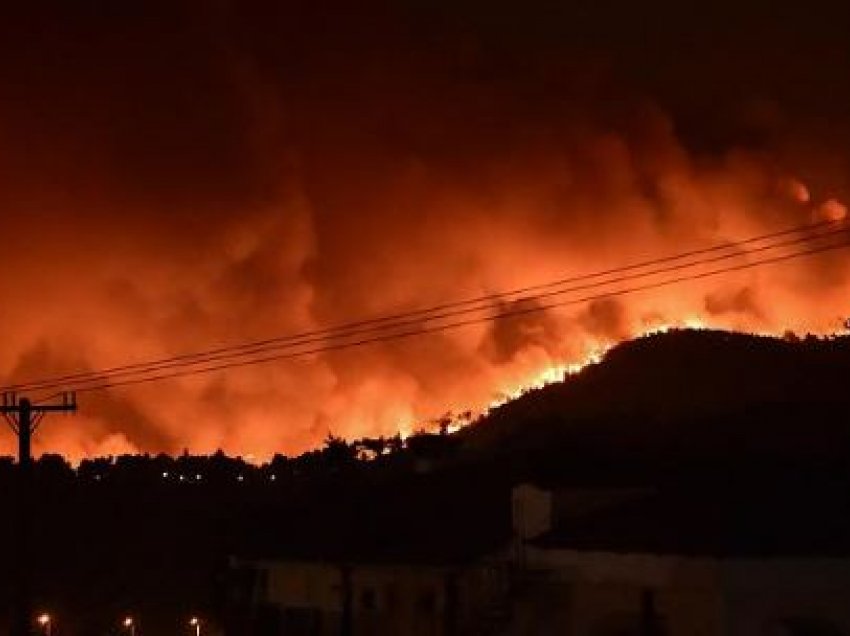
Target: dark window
(301, 621)
(427, 601)
(264, 584)
(630, 624)
(392, 597)
(369, 599)
(269, 619)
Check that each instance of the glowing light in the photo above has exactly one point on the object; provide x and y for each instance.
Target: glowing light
(833, 210)
(454, 427)
(687, 322)
(556, 373)
(46, 622)
(549, 375)
(542, 352)
(799, 191)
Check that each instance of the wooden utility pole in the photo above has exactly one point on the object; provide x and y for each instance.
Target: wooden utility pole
(24, 418)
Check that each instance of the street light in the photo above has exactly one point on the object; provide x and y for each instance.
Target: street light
(45, 621)
(130, 625)
(196, 623)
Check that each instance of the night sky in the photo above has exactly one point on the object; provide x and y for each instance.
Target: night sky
(176, 176)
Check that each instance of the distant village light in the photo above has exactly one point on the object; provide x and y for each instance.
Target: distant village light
(46, 622)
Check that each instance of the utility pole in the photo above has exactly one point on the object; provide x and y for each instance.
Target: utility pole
(24, 418)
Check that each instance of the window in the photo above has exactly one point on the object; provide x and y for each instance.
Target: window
(427, 601)
(392, 597)
(369, 599)
(264, 583)
(301, 621)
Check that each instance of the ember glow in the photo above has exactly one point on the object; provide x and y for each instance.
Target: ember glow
(254, 172)
(548, 375)
(554, 373)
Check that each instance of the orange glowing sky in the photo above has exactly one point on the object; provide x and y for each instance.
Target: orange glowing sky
(183, 177)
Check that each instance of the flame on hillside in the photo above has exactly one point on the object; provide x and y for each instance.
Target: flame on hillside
(558, 372)
(377, 206)
(551, 374)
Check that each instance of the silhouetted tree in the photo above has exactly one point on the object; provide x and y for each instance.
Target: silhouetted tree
(395, 444)
(337, 453)
(444, 423)
(54, 470)
(373, 447)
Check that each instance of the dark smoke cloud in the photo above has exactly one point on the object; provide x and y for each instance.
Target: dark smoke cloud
(181, 175)
(515, 328)
(606, 319)
(743, 301)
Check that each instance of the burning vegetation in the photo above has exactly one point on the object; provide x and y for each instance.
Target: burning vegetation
(225, 182)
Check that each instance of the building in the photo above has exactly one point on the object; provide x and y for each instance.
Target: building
(371, 599)
(580, 562)
(632, 562)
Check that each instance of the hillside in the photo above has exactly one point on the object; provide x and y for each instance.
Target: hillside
(686, 398)
(698, 415)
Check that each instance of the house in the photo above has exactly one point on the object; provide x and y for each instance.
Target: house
(420, 564)
(695, 564)
(312, 598)
(579, 562)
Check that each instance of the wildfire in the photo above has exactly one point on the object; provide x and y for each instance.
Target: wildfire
(294, 268)
(551, 374)
(558, 372)
(690, 322)
(832, 210)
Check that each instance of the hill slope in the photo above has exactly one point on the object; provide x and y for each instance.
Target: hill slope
(685, 397)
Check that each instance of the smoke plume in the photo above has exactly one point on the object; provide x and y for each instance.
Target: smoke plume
(181, 176)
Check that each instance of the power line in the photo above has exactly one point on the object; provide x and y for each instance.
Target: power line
(202, 359)
(439, 312)
(340, 330)
(87, 387)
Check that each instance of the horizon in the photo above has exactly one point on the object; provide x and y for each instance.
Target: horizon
(453, 422)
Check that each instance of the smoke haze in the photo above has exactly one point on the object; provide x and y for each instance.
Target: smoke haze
(184, 175)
